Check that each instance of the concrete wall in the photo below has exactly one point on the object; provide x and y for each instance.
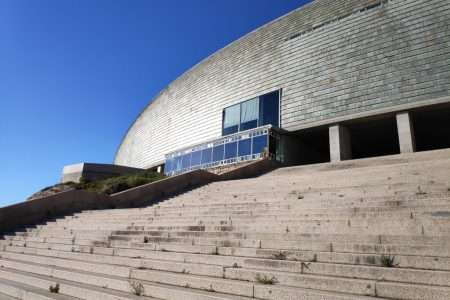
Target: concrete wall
(34, 212)
(91, 171)
(153, 192)
(359, 63)
(37, 211)
(40, 210)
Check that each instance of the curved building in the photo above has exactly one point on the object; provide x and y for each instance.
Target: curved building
(335, 79)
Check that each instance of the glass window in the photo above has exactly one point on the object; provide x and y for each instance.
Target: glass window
(218, 153)
(249, 114)
(230, 150)
(177, 163)
(231, 119)
(260, 111)
(168, 166)
(186, 161)
(269, 109)
(206, 156)
(196, 158)
(245, 147)
(259, 144)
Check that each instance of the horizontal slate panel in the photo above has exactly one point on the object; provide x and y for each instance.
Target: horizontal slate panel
(358, 61)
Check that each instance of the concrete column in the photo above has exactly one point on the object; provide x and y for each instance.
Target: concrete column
(405, 133)
(340, 146)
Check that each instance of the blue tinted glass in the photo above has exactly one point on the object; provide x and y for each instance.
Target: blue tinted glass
(168, 166)
(259, 143)
(245, 147)
(249, 114)
(269, 109)
(218, 153)
(206, 156)
(231, 118)
(230, 150)
(249, 125)
(196, 158)
(177, 164)
(230, 130)
(186, 161)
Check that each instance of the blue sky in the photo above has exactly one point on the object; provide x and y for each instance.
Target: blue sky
(75, 74)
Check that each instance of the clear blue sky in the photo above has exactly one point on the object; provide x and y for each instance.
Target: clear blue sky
(75, 74)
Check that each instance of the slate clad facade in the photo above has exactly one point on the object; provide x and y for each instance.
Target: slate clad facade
(332, 60)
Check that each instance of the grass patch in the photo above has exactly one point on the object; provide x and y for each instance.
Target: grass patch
(264, 279)
(120, 183)
(388, 261)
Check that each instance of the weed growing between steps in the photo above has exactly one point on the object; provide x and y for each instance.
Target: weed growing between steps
(264, 279)
(280, 256)
(420, 192)
(388, 261)
(136, 288)
(54, 289)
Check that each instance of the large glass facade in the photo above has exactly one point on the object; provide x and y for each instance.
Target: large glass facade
(253, 113)
(243, 146)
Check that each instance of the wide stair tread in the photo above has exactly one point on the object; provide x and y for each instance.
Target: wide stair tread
(197, 284)
(20, 291)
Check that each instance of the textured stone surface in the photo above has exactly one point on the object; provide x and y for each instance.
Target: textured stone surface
(375, 228)
(358, 63)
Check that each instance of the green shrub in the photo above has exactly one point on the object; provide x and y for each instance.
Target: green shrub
(120, 183)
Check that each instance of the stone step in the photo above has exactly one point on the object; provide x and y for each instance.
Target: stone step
(191, 283)
(250, 258)
(275, 262)
(243, 239)
(389, 246)
(116, 264)
(19, 291)
(291, 193)
(353, 208)
(281, 210)
(286, 216)
(67, 287)
(108, 265)
(89, 292)
(115, 283)
(287, 198)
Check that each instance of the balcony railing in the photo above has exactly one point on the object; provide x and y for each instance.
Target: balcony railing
(238, 147)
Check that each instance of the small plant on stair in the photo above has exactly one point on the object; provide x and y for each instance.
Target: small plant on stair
(54, 289)
(420, 192)
(264, 279)
(136, 288)
(280, 256)
(388, 261)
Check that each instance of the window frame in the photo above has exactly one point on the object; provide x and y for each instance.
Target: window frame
(259, 119)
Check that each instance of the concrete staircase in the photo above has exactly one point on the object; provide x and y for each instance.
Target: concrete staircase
(367, 229)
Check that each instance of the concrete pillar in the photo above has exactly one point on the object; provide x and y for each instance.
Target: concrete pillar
(405, 133)
(340, 146)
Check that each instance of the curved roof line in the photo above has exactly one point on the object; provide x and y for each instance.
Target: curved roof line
(186, 73)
